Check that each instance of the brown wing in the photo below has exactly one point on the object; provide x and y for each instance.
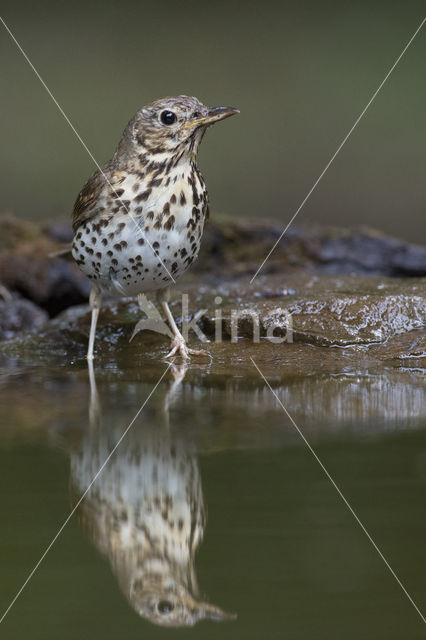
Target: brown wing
(85, 205)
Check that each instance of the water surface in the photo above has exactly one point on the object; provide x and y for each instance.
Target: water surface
(211, 504)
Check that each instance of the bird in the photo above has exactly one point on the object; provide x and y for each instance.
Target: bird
(139, 219)
(146, 514)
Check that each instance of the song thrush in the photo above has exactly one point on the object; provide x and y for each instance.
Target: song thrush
(138, 221)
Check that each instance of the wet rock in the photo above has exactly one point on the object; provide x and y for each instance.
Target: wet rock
(17, 314)
(232, 249)
(347, 320)
(407, 350)
(365, 251)
(28, 265)
(239, 246)
(323, 311)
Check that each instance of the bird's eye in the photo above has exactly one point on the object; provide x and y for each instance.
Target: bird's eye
(168, 117)
(165, 606)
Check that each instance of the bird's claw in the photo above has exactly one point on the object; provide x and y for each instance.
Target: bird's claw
(180, 349)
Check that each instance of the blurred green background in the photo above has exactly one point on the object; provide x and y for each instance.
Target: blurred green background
(301, 73)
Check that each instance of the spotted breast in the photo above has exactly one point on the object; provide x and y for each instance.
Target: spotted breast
(143, 232)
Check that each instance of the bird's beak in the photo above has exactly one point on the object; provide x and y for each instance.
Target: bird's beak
(214, 115)
(211, 612)
(207, 611)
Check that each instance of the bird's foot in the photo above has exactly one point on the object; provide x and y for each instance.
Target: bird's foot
(180, 349)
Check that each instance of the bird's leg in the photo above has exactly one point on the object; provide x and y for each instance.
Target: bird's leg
(94, 405)
(178, 372)
(178, 345)
(95, 302)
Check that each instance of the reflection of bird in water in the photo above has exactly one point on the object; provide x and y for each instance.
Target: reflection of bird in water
(145, 512)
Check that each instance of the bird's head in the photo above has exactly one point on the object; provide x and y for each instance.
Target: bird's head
(174, 607)
(172, 125)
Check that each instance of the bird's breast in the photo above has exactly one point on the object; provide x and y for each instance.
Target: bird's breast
(146, 234)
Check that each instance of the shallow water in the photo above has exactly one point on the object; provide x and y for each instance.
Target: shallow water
(210, 485)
